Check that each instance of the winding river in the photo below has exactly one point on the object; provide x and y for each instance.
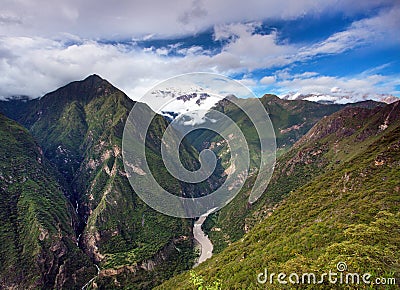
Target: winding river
(202, 239)
(205, 244)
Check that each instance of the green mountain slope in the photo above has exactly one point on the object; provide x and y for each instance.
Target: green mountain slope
(291, 121)
(37, 239)
(325, 147)
(348, 213)
(80, 127)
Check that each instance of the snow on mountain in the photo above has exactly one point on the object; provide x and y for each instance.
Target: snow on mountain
(192, 102)
(182, 103)
(340, 98)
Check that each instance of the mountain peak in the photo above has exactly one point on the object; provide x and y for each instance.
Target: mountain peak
(93, 77)
(93, 81)
(271, 97)
(83, 91)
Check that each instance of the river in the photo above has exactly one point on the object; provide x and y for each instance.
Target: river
(205, 244)
(202, 239)
(91, 280)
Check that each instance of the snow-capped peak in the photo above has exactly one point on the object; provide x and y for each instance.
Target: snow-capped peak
(193, 102)
(337, 98)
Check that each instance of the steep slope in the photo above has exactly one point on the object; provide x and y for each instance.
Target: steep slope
(330, 142)
(349, 213)
(291, 121)
(80, 127)
(37, 239)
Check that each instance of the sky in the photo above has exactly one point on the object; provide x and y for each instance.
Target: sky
(331, 47)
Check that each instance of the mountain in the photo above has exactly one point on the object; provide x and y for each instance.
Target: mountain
(71, 218)
(291, 121)
(79, 128)
(347, 212)
(313, 155)
(38, 246)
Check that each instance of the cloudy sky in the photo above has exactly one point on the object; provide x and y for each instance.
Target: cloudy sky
(301, 46)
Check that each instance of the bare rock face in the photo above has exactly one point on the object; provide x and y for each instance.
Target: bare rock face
(90, 241)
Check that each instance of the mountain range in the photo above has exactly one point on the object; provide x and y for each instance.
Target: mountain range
(333, 200)
(71, 219)
(338, 97)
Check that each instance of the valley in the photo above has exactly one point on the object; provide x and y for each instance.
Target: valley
(199, 145)
(334, 197)
(71, 218)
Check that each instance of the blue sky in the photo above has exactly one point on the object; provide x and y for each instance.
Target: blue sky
(334, 47)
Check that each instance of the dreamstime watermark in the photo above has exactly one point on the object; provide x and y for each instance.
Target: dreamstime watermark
(201, 91)
(339, 276)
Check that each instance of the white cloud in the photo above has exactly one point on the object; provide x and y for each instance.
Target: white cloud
(253, 50)
(267, 80)
(381, 28)
(102, 19)
(193, 50)
(248, 82)
(36, 54)
(324, 84)
(36, 65)
(340, 89)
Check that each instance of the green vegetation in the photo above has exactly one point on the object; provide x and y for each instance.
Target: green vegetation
(79, 128)
(291, 120)
(36, 229)
(333, 197)
(347, 213)
(198, 281)
(298, 165)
